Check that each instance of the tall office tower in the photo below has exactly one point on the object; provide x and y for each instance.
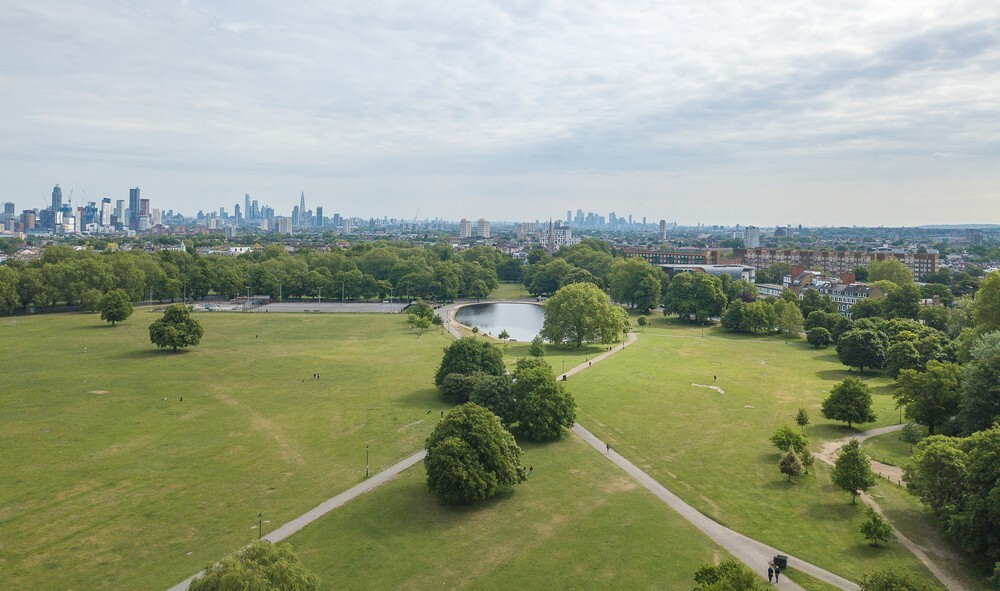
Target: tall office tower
(482, 228)
(464, 228)
(348, 227)
(296, 213)
(156, 217)
(144, 207)
(56, 198)
(336, 221)
(237, 212)
(246, 207)
(751, 237)
(105, 211)
(569, 216)
(254, 210)
(319, 216)
(120, 210)
(302, 209)
(133, 208)
(8, 207)
(663, 229)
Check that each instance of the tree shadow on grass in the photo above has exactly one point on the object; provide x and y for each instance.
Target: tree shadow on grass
(425, 398)
(833, 375)
(152, 353)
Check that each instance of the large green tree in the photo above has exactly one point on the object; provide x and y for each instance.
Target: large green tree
(852, 471)
(979, 406)
(115, 306)
(987, 304)
(176, 329)
(543, 406)
(261, 566)
(581, 312)
(862, 348)
(889, 270)
(930, 397)
(470, 456)
(635, 282)
(896, 580)
(849, 401)
(695, 296)
(467, 356)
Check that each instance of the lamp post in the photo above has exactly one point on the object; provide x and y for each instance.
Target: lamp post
(342, 283)
(390, 295)
(319, 292)
(366, 460)
(246, 304)
(279, 291)
(260, 525)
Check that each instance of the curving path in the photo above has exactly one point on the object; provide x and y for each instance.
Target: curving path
(828, 454)
(325, 507)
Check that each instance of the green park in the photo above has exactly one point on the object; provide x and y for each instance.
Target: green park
(133, 466)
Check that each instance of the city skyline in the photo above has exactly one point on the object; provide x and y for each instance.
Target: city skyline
(880, 115)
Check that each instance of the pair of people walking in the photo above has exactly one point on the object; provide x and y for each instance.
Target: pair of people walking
(773, 572)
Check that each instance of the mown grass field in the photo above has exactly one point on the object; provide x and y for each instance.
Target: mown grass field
(889, 449)
(109, 486)
(712, 449)
(578, 523)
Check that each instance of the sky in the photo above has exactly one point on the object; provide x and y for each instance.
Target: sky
(881, 112)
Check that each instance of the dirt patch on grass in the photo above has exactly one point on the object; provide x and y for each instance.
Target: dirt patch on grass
(716, 388)
(404, 427)
(99, 392)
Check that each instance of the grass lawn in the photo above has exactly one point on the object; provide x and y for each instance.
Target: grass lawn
(888, 449)
(578, 523)
(712, 449)
(108, 486)
(509, 291)
(916, 522)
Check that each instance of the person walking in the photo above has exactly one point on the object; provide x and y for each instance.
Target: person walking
(770, 574)
(777, 573)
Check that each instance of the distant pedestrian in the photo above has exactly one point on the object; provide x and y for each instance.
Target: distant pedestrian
(715, 378)
(607, 448)
(182, 399)
(777, 573)
(256, 336)
(531, 470)
(770, 574)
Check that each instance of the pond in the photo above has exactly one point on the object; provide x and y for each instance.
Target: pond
(522, 321)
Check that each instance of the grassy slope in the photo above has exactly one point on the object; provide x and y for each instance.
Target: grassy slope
(713, 450)
(578, 523)
(125, 490)
(888, 449)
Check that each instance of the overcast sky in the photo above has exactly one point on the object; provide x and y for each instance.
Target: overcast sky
(858, 112)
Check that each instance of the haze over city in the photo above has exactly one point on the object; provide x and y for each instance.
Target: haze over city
(715, 112)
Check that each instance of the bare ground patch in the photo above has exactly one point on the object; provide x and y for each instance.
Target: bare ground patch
(716, 388)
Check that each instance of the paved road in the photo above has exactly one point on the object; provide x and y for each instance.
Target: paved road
(325, 507)
(313, 307)
(751, 552)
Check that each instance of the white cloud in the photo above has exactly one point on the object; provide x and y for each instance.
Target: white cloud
(592, 102)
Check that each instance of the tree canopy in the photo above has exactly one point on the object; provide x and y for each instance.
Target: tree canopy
(544, 407)
(979, 406)
(176, 329)
(635, 282)
(862, 348)
(581, 312)
(261, 566)
(470, 456)
(849, 401)
(889, 270)
(930, 397)
(852, 471)
(468, 356)
(987, 304)
(695, 296)
(115, 306)
(729, 575)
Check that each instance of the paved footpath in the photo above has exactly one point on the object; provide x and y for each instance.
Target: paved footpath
(325, 507)
(751, 552)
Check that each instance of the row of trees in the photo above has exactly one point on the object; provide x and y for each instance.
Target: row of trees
(365, 271)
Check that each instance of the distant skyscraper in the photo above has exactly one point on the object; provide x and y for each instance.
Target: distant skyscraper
(296, 214)
(751, 237)
(237, 212)
(319, 216)
(464, 228)
(246, 207)
(8, 207)
(663, 229)
(120, 210)
(569, 216)
(56, 198)
(302, 209)
(483, 228)
(133, 208)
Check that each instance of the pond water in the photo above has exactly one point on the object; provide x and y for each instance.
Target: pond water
(522, 321)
